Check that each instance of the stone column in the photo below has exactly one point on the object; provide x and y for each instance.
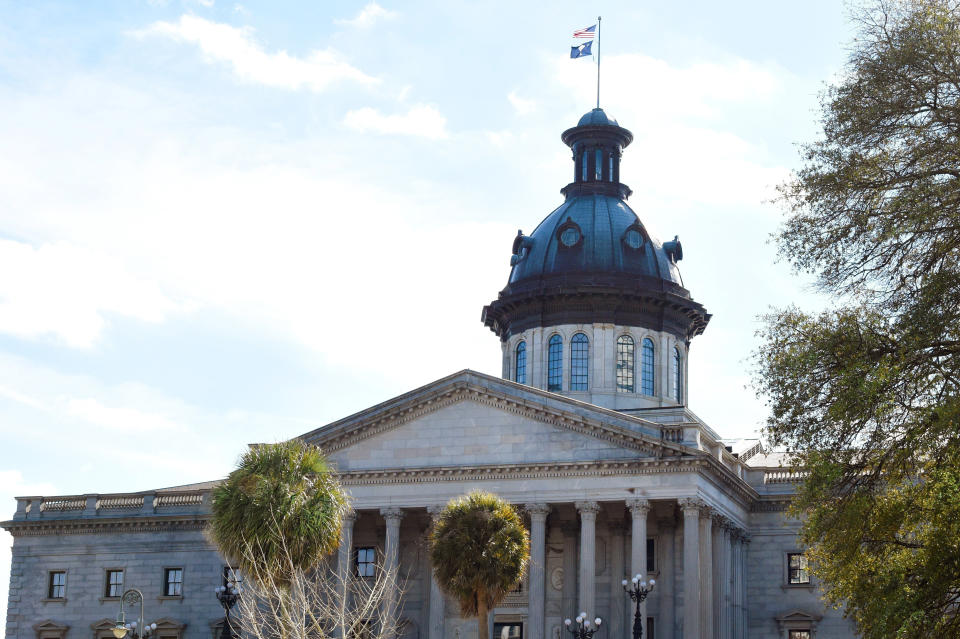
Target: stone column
(618, 613)
(691, 567)
(726, 599)
(639, 508)
(667, 582)
(538, 562)
(706, 571)
(435, 629)
(391, 564)
(716, 550)
(569, 594)
(345, 554)
(744, 618)
(588, 556)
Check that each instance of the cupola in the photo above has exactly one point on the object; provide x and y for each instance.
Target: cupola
(591, 276)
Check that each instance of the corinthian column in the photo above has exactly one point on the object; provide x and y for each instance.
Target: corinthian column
(391, 564)
(639, 508)
(706, 571)
(588, 555)
(435, 631)
(538, 558)
(691, 567)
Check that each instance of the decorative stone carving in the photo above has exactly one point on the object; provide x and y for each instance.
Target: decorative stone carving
(392, 514)
(556, 579)
(588, 509)
(538, 509)
(638, 506)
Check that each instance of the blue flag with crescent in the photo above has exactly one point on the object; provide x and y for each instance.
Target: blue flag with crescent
(582, 50)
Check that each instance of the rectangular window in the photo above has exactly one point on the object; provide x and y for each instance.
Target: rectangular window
(799, 634)
(57, 584)
(173, 582)
(651, 554)
(366, 558)
(512, 630)
(114, 584)
(598, 164)
(797, 570)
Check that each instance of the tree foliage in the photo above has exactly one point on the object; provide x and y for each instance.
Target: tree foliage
(312, 603)
(281, 508)
(479, 548)
(866, 394)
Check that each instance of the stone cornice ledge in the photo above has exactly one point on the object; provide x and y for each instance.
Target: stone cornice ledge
(771, 504)
(39, 527)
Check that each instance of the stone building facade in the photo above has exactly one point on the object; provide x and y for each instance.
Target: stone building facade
(588, 431)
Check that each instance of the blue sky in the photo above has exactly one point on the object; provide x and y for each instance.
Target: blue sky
(228, 222)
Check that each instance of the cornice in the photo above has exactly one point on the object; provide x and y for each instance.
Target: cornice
(765, 504)
(40, 527)
(416, 407)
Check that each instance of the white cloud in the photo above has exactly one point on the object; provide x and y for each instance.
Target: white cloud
(128, 420)
(206, 3)
(421, 121)
(522, 106)
(237, 47)
(368, 16)
(67, 292)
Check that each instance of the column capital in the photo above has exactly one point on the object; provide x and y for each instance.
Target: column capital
(349, 517)
(691, 504)
(638, 506)
(720, 521)
(434, 510)
(392, 514)
(588, 508)
(537, 510)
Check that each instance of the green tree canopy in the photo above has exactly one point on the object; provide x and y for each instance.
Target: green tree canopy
(479, 549)
(866, 393)
(281, 509)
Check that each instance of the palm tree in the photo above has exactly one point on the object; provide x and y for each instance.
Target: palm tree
(280, 511)
(479, 550)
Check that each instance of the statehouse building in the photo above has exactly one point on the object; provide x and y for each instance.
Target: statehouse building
(588, 431)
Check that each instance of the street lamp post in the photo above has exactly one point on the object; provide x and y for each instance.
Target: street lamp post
(584, 629)
(228, 596)
(638, 592)
(136, 629)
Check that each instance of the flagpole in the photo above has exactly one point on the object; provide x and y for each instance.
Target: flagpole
(598, 62)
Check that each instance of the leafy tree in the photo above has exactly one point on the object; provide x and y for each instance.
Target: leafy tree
(866, 393)
(479, 550)
(280, 511)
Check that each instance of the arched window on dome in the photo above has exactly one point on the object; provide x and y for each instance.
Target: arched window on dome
(579, 362)
(583, 160)
(646, 366)
(625, 364)
(520, 372)
(598, 165)
(676, 376)
(555, 364)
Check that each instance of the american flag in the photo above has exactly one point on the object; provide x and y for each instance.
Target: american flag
(589, 32)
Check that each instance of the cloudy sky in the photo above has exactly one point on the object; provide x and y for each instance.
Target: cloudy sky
(228, 222)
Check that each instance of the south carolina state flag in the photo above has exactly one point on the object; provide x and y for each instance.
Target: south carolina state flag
(582, 50)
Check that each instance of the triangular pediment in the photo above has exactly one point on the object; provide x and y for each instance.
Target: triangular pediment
(471, 419)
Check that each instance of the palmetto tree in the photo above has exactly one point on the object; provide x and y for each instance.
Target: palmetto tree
(280, 511)
(479, 550)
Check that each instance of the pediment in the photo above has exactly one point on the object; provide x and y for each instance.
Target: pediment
(50, 625)
(104, 624)
(471, 424)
